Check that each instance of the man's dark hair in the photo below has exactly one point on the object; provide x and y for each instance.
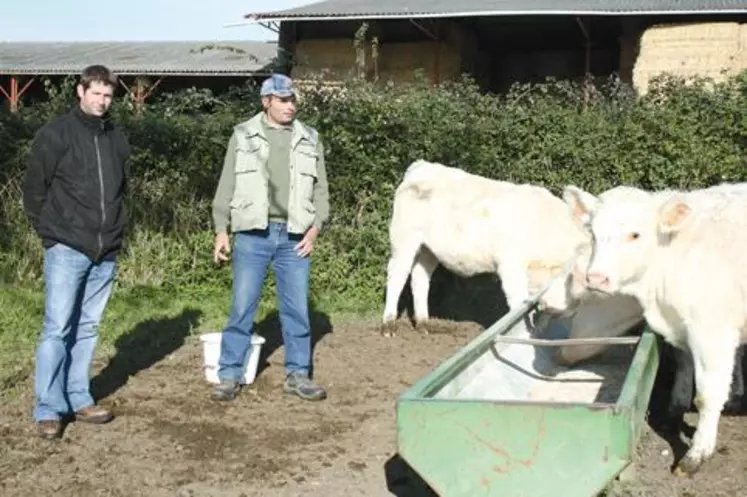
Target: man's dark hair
(97, 73)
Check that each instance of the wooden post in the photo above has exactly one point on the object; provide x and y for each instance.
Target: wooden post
(14, 94)
(587, 60)
(140, 92)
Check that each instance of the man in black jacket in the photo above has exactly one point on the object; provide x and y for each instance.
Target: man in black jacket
(73, 195)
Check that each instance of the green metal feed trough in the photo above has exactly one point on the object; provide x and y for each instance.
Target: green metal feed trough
(501, 418)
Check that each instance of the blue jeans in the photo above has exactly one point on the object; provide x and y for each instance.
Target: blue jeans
(253, 251)
(77, 291)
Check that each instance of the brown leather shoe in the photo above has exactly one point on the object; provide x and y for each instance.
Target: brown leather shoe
(94, 414)
(49, 429)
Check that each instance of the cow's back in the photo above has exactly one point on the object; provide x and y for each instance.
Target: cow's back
(469, 214)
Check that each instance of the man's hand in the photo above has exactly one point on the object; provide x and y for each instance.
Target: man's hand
(305, 246)
(222, 247)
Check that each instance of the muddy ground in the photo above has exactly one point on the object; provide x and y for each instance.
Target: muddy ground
(171, 439)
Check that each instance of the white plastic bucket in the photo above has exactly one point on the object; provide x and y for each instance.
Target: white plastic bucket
(211, 354)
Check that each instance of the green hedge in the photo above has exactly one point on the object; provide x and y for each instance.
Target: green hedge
(679, 135)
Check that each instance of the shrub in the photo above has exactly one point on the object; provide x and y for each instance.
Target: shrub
(681, 134)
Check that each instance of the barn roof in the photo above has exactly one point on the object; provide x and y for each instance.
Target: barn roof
(227, 58)
(393, 9)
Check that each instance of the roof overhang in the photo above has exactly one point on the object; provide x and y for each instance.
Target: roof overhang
(260, 18)
(231, 58)
(346, 10)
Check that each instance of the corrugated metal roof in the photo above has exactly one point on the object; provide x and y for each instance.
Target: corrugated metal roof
(156, 57)
(382, 9)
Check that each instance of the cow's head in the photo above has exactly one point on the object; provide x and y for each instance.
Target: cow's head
(564, 294)
(626, 225)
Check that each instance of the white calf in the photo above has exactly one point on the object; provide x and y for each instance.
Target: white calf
(472, 225)
(683, 256)
(564, 296)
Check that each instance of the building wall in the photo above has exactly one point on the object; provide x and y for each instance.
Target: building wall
(496, 53)
(499, 52)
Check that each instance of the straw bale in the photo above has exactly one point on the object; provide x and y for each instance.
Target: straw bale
(335, 59)
(742, 56)
(713, 50)
(399, 61)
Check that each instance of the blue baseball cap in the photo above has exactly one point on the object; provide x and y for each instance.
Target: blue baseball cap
(278, 85)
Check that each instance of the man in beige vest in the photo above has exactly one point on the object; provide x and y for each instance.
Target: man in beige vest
(272, 195)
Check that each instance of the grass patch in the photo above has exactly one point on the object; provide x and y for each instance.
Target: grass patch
(153, 320)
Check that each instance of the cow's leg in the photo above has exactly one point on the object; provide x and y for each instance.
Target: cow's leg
(736, 397)
(681, 397)
(713, 351)
(514, 283)
(398, 269)
(420, 282)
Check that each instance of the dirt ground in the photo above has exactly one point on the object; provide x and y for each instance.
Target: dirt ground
(171, 439)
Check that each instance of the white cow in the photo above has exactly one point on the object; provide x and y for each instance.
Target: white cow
(566, 295)
(683, 256)
(473, 225)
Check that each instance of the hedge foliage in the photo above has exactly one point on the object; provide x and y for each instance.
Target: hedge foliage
(681, 134)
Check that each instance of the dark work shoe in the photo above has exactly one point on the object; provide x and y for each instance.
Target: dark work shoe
(298, 384)
(226, 390)
(49, 429)
(94, 414)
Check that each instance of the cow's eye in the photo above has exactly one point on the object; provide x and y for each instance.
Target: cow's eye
(633, 236)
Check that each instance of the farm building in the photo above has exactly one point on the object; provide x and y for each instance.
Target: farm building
(507, 41)
(142, 67)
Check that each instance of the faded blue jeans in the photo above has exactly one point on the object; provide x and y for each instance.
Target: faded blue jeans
(253, 251)
(77, 291)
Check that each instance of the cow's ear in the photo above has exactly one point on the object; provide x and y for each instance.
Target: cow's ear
(673, 214)
(581, 204)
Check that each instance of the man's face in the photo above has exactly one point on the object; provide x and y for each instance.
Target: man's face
(280, 110)
(97, 99)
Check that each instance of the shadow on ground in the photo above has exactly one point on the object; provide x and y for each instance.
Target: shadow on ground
(148, 343)
(403, 481)
(479, 299)
(270, 329)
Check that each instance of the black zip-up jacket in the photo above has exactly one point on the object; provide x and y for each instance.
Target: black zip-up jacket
(75, 183)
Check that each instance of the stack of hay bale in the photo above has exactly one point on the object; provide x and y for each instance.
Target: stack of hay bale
(716, 50)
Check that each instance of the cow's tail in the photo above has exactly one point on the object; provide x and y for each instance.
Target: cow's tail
(411, 202)
(417, 181)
